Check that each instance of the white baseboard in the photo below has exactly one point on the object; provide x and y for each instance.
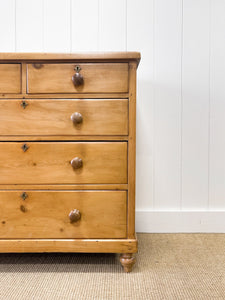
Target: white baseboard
(180, 221)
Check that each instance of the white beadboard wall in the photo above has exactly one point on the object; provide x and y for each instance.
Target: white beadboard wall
(181, 92)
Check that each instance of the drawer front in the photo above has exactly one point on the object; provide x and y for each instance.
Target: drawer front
(64, 117)
(45, 214)
(97, 78)
(63, 162)
(10, 78)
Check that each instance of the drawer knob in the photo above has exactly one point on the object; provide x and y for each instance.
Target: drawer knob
(77, 78)
(74, 215)
(37, 66)
(76, 162)
(77, 118)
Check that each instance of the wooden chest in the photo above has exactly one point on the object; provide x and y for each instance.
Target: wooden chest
(67, 153)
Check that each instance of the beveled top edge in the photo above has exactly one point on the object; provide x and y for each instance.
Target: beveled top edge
(87, 56)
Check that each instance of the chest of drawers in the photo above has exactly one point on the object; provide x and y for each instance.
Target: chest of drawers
(67, 153)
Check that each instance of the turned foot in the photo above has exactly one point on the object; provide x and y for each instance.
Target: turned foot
(127, 261)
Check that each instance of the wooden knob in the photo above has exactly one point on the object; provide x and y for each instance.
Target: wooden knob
(37, 66)
(77, 78)
(77, 118)
(76, 163)
(74, 215)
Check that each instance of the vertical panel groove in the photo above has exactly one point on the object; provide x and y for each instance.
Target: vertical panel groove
(29, 25)
(43, 25)
(126, 25)
(56, 25)
(167, 110)
(140, 19)
(153, 94)
(84, 25)
(98, 25)
(71, 36)
(181, 104)
(7, 26)
(112, 25)
(195, 118)
(209, 111)
(15, 27)
(217, 106)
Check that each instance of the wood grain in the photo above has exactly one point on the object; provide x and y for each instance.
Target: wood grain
(57, 78)
(76, 174)
(82, 56)
(132, 150)
(64, 187)
(53, 117)
(10, 78)
(69, 245)
(64, 138)
(50, 162)
(103, 214)
(23, 78)
(68, 96)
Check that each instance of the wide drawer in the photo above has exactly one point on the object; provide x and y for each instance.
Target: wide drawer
(63, 162)
(45, 214)
(10, 78)
(97, 78)
(64, 117)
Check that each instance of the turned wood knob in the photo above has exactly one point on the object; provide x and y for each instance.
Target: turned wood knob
(74, 215)
(77, 118)
(77, 78)
(76, 162)
(37, 66)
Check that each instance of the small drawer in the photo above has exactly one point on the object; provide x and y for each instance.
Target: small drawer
(63, 214)
(64, 117)
(10, 78)
(63, 162)
(77, 78)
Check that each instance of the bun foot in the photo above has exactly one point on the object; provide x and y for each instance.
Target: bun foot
(127, 261)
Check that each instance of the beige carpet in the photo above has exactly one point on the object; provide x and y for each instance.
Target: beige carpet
(169, 266)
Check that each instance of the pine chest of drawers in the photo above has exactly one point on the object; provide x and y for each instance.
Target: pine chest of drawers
(67, 153)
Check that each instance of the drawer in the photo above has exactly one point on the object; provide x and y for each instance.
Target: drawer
(10, 78)
(45, 214)
(63, 162)
(64, 117)
(97, 78)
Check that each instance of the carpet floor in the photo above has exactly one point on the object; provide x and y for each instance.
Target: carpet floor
(169, 266)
